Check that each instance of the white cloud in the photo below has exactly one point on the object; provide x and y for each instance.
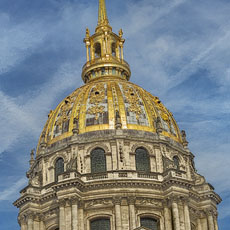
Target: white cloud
(18, 40)
(12, 191)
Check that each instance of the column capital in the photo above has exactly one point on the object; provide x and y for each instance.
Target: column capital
(30, 215)
(201, 214)
(166, 203)
(22, 219)
(81, 203)
(117, 200)
(68, 202)
(74, 200)
(131, 200)
(185, 200)
(209, 212)
(62, 202)
(41, 217)
(174, 198)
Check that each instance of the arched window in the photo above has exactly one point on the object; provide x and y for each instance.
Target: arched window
(59, 168)
(97, 50)
(149, 223)
(113, 47)
(98, 161)
(176, 162)
(142, 160)
(100, 224)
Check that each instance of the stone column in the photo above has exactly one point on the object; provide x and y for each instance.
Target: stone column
(62, 215)
(210, 220)
(181, 215)
(187, 216)
(215, 221)
(167, 216)
(199, 227)
(132, 213)
(68, 215)
(204, 222)
(42, 226)
(30, 222)
(176, 218)
(74, 214)
(81, 215)
(23, 223)
(117, 203)
(36, 222)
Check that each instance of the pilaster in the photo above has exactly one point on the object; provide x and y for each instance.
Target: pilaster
(117, 204)
(175, 212)
(62, 224)
(167, 216)
(132, 213)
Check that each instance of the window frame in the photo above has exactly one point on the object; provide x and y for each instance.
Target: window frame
(92, 165)
(148, 170)
(157, 219)
(101, 218)
(55, 168)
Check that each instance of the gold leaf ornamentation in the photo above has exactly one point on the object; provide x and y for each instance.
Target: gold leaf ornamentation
(64, 116)
(96, 97)
(133, 101)
(96, 110)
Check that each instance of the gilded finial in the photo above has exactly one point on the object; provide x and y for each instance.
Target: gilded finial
(87, 33)
(120, 33)
(102, 14)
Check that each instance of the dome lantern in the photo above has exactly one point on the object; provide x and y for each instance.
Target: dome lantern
(104, 51)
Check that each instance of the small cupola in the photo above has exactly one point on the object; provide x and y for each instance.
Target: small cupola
(104, 51)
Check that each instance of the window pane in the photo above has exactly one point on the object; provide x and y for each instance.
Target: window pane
(149, 223)
(142, 160)
(59, 168)
(98, 161)
(176, 162)
(100, 224)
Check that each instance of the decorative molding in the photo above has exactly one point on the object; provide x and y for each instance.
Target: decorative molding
(97, 145)
(142, 145)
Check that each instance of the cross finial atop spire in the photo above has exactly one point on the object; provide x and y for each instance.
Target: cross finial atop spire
(102, 14)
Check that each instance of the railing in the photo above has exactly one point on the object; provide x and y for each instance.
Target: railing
(109, 60)
(147, 175)
(98, 176)
(132, 174)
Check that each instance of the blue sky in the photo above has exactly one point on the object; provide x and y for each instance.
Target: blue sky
(178, 50)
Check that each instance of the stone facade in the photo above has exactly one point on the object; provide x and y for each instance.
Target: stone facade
(178, 198)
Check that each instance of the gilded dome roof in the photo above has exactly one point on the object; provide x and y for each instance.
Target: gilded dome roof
(109, 103)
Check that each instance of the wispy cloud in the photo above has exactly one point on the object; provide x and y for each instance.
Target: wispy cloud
(18, 40)
(12, 191)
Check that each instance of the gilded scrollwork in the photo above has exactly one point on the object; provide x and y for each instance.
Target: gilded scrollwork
(64, 114)
(96, 97)
(133, 100)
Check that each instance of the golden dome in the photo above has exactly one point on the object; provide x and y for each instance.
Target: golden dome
(107, 101)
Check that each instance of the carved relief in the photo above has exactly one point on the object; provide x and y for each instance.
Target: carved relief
(98, 202)
(97, 95)
(149, 201)
(71, 165)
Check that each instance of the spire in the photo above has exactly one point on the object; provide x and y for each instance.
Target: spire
(102, 14)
